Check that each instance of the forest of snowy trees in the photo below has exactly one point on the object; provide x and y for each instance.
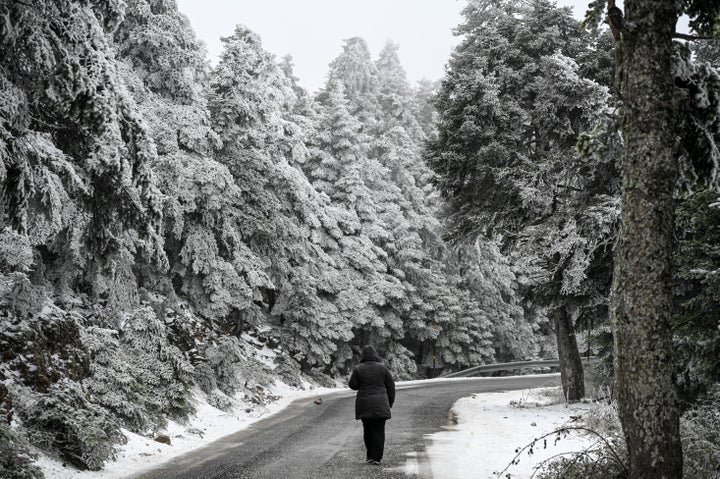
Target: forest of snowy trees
(161, 218)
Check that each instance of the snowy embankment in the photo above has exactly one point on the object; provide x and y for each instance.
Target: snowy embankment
(207, 425)
(491, 427)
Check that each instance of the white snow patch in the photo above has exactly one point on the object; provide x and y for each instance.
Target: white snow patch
(499, 379)
(207, 425)
(483, 442)
(262, 352)
(489, 430)
(410, 468)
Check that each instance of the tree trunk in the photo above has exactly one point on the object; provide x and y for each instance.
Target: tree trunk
(571, 369)
(642, 294)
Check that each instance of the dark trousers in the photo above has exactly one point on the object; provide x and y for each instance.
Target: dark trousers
(374, 436)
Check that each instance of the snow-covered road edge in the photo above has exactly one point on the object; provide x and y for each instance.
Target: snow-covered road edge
(207, 425)
(492, 426)
(489, 430)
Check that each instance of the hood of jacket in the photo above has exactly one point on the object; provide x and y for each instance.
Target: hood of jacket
(369, 354)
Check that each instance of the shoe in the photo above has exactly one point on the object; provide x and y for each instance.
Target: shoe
(374, 462)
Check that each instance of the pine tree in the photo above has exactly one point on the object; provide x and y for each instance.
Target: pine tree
(346, 155)
(75, 151)
(167, 74)
(395, 97)
(355, 70)
(696, 307)
(512, 108)
(339, 165)
(424, 94)
(282, 219)
(694, 261)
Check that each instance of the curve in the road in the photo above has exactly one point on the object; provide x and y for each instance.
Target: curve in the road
(311, 441)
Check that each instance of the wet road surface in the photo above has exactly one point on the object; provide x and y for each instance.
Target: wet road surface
(311, 441)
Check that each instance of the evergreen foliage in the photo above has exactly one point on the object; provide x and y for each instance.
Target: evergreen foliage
(15, 463)
(397, 207)
(512, 109)
(63, 419)
(283, 220)
(161, 221)
(75, 153)
(697, 306)
(137, 373)
(698, 85)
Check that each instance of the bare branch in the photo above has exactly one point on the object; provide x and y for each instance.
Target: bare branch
(569, 187)
(685, 36)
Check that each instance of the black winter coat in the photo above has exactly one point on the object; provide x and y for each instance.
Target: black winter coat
(375, 386)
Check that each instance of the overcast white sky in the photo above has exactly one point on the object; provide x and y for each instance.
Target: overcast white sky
(312, 31)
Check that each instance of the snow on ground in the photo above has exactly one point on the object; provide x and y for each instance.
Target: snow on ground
(207, 425)
(492, 426)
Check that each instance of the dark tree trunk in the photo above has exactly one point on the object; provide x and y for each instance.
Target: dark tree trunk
(571, 369)
(642, 293)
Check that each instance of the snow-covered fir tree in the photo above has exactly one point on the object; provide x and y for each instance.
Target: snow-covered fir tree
(162, 220)
(512, 108)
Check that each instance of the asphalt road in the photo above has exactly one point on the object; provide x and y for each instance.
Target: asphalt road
(310, 441)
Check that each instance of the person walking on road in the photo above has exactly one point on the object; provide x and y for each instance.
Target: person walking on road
(375, 397)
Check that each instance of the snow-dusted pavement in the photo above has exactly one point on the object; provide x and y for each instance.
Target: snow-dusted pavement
(322, 440)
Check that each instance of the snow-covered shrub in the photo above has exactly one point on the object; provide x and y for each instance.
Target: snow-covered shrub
(20, 296)
(63, 420)
(115, 283)
(598, 380)
(606, 457)
(15, 463)
(289, 370)
(229, 368)
(219, 400)
(137, 373)
(15, 252)
(205, 377)
(224, 358)
(539, 397)
(41, 350)
(320, 377)
(700, 431)
(163, 367)
(582, 465)
(115, 383)
(604, 419)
